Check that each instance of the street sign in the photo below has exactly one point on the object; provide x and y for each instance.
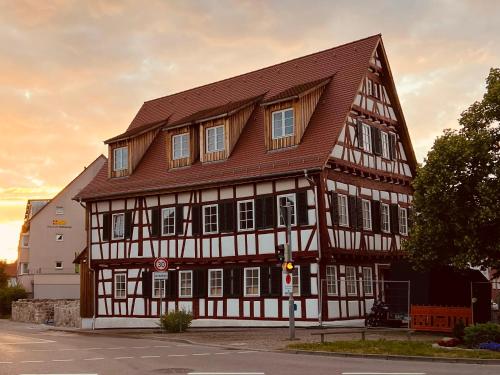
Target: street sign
(161, 275)
(288, 285)
(161, 264)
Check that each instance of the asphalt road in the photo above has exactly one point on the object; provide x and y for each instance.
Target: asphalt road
(32, 349)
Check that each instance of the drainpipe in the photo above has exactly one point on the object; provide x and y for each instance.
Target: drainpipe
(316, 210)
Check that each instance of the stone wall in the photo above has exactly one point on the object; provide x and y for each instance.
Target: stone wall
(64, 313)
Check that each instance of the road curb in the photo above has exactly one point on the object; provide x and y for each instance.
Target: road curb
(398, 357)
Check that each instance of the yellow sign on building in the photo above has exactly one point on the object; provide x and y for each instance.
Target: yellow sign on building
(58, 222)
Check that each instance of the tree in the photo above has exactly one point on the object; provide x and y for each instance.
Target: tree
(456, 218)
(4, 278)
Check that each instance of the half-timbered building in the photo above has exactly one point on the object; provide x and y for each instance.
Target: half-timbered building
(199, 178)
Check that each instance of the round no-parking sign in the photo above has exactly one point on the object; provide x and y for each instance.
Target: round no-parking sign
(161, 264)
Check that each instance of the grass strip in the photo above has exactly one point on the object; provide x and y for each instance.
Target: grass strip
(394, 347)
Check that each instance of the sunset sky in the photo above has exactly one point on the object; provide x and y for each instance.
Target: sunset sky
(73, 74)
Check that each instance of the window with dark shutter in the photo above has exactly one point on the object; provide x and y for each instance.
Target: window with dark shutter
(128, 224)
(179, 220)
(334, 208)
(171, 289)
(155, 222)
(147, 283)
(227, 285)
(232, 282)
(353, 212)
(376, 216)
(359, 213)
(226, 217)
(265, 212)
(302, 208)
(394, 218)
(376, 141)
(200, 282)
(392, 146)
(106, 226)
(264, 281)
(270, 211)
(196, 220)
(359, 133)
(276, 280)
(305, 280)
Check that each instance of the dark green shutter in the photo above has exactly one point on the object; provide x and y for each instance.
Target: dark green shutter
(128, 224)
(394, 218)
(305, 280)
(226, 217)
(335, 208)
(237, 283)
(171, 289)
(155, 222)
(359, 213)
(270, 211)
(376, 141)
(353, 212)
(147, 283)
(200, 283)
(376, 216)
(264, 281)
(179, 220)
(276, 276)
(302, 208)
(359, 130)
(392, 146)
(106, 227)
(196, 220)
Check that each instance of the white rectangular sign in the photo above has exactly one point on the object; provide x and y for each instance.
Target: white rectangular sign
(161, 275)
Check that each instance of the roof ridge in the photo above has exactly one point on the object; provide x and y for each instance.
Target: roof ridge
(266, 67)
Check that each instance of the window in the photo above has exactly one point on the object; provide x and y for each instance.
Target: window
(215, 138)
(159, 287)
(120, 159)
(385, 145)
(118, 226)
(210, 224)
(343, 213)
(185, 284)
(24, 269)
(367, 281)
(59, 265)
(26, 240)
(120, 286)
(367, 138)
(252, 282)
(180, 146)
(283, 201)
(350, 281)
(403, 221)
(168, 221)
(386, 218)
(59, 210)
(59, 237)
(245, 215)
(367, 214)
(283, 123)
(215, 283)
(296, 281)
(369, 86)
(331, 280)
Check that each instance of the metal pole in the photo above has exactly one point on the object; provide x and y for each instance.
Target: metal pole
(161, 295)
(291, 304)
(409, 305)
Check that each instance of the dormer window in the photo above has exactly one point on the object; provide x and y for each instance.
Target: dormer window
(283, 123)
(120, 158)
(180, 146)
(215, 138)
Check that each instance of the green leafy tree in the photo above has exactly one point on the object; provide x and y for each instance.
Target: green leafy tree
(3, 275)
(456, 217)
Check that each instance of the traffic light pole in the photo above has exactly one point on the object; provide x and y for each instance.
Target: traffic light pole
(288, 255)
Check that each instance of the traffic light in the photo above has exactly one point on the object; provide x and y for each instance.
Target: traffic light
(289, 266)
(281, 253)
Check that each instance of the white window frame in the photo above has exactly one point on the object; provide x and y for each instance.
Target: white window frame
(294, 213)
(403, 220)
(59, 267)
(282, 125)
(331, 280)
(385, 213)
(184, 151)
(156, 290)
(366, 208)
(349, 281)
(245, 294)
(216, 218)
(185, 295)
(115, 285)
(163, 232)
(296, 281)
(343, 204)
(120, 159)
(210, 281)
(367, 281)
(253, 215)
(385, 145)
(367, 138)
(215, 130)
(59, 210)
(113, 218)
(24, 268)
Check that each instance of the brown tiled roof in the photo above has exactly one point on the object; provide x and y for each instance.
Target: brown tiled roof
(296, 91)
(216, 112)
(11, 269)
(136, 131)
(347, 64)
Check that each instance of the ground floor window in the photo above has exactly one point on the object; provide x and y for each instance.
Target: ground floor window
(185, 284)
(252, 282)
(350, 280)
(120, 286)
(331, 280)
(158, 288)
(367, 281)
(215, 283)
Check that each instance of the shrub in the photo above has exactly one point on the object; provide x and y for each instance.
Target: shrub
(9, 295)
(176, 321)
(459, 330)
(480, 333)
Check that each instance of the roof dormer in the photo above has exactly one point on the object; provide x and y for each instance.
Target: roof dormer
(287, 114)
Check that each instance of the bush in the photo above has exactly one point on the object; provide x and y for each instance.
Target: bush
(177, 321)
(459, 330)
(480, 333)
(9, 295)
